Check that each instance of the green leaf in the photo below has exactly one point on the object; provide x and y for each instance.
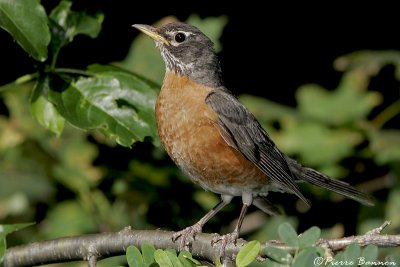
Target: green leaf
(6, 229)
(187, 259)
(305, 257)
(47, 115)
(26, 21)
(385, 145)
(370, 62)
(278, 255)
(308, 139)
(66, 24)
(392, 259)
(162, 258)
(269, 229)
(248, 253)
(393, 206)
(74, 23)
(171, 253)
(339, 257)
(309, 237)
(134, 257)
(259, 105)
(27, 181)
(118, 103)
(288, 235)
(369, 254)
(74, 214)
(352, 253)
(148, 253)
(270, 263)
(75, 169)
(320, 104)
(43, 110)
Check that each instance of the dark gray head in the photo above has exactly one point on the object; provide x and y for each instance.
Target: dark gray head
(186, 51)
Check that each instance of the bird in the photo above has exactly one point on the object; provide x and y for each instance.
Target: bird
(215, 140)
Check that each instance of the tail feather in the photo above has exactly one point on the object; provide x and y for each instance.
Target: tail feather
(316, 178)
(266, 206)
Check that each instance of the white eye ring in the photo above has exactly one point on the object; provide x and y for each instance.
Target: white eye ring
(180, 37)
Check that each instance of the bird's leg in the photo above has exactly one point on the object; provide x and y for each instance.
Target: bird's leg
(197, 227)
(231, 237)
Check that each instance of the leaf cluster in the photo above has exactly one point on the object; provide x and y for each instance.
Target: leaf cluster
(113, 101)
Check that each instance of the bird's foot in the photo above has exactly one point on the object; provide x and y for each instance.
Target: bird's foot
(183, 235)
(225, 240)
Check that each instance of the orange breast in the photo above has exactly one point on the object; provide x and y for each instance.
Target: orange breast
(188, 130)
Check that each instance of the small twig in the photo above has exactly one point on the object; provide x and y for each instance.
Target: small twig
(328, 253)
(387, 114)
(378, 230)
(74, 71)
(372, 237)
(93, 254)
(92, 261)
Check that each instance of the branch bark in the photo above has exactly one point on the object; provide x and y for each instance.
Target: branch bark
(97, 246)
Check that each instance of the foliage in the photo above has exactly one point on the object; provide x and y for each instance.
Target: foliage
(148, 256)
(126, 113)
(6, 229)
(248, 253)
(60, 164)
(27, 23)
(305, 253)
(303, 245)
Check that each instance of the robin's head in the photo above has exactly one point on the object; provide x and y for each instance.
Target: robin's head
(186, 51)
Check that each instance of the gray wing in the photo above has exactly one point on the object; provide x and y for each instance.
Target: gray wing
(241, 130)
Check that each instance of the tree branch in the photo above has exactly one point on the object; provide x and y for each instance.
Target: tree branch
(372, 237)
(97, 246)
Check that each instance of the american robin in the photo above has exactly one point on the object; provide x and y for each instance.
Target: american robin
(214, 139)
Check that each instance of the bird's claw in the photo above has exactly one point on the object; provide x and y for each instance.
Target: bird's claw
(225, 240)
(190, 231)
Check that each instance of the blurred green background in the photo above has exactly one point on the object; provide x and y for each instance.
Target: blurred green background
(332, 107)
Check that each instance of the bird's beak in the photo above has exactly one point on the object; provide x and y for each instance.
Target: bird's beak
(151, 32)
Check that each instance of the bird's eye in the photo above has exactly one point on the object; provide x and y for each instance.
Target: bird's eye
(180, 37)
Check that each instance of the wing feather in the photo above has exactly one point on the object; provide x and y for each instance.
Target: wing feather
(241, 130)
